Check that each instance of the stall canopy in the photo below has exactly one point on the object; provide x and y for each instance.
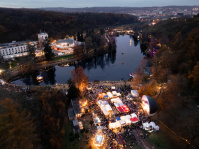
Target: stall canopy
(149, 126)
(114, 125)
(118, 94)
(118, 118)
(133, 115)
(134, 120)
(108, 107)
(105, 96)
(125, 108)
(134, 93)
(112, 87)
(120, 109)
(114, 93)
(122, 122)
(118, 101)
(103, 108)
(109, 94)
(116, 105)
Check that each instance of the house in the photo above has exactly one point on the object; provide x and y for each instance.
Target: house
(76, 126)
(76, 107)
(71, 114)
(64, 46)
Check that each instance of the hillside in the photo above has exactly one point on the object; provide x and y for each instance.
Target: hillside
(24, 24)
(174, 81)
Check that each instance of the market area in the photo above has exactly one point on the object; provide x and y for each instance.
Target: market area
(119, 117)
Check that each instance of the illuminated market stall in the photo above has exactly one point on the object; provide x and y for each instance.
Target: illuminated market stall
(105, 107)
(99, 139)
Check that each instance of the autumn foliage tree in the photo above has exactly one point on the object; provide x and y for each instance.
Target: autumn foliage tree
(17, 130)
(80, 79)
(53, 118)
(78, 52)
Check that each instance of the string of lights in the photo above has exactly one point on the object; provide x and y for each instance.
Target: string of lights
(178, 135)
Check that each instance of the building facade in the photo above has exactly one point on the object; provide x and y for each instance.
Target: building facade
(15, 49)
(42, 36)
(64, 46)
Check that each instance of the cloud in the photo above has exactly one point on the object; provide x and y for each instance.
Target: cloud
(93, 3)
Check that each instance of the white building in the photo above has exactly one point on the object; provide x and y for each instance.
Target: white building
(64, 46)
(15, 49)
(42, 36)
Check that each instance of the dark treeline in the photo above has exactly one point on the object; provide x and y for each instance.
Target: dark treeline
(24, 24)
(175, 70)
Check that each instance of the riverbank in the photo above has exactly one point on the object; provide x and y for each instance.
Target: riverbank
(15, 72)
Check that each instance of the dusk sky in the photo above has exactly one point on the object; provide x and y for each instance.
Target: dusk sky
(94, 3)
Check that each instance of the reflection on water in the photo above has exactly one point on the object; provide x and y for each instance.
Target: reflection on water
(112, 66)
(99, 61)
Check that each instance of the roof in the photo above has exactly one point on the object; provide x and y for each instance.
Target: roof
(75, 123)
(71, 113)
(76, 106)
(68, 40)
(120, 109)
(153, 107)
(135, 119)
(16, 44)
(118, 118)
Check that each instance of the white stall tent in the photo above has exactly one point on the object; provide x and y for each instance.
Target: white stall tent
(134, 93)
(133, 115)
(118, 101)
(128, 116)
(113, 87)
(122, 122)
(109, 94)
(109, 109)
(114, 125)
(123, 118)
(114, 93)
(149, 126)
(156, 128)
(118, 94)
(105, 107)
(104, 110)
(116, 105)
(128, 121)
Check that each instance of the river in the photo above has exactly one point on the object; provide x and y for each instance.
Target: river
(108, 67)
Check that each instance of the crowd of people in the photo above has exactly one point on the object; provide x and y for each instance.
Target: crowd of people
(127, 131)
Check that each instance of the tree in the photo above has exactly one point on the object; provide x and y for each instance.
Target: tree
(88, 44)
(73, 92)
(16, 127)
(78, 53)
(31, 49)
(48, 50)
(149, 89)
(194, 74)
(80, 79)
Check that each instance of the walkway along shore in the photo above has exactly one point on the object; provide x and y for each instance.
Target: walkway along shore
(15, 72)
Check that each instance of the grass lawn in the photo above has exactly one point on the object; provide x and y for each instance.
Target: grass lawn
(67, 143)
(159, 141)
(63, 57)
(72, 142)
(137, 147)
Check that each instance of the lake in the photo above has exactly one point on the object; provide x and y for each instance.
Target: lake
(108, 67)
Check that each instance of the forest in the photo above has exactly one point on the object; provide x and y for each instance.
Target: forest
(174, 69)
(25, 24)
